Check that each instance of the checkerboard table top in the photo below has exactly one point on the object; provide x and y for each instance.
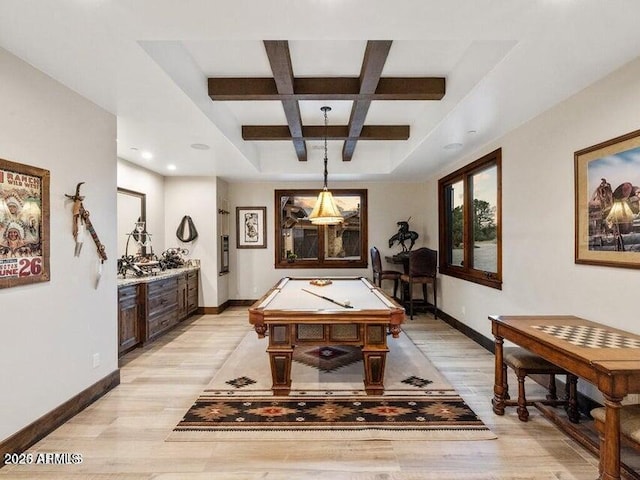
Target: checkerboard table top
(589, 336)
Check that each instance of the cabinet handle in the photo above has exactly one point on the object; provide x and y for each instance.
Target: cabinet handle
(164, 323)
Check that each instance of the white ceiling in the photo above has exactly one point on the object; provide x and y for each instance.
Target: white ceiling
(147, 61)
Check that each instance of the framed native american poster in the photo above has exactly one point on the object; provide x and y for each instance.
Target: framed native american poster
(251, 229)
(607, 189)
(24, 224)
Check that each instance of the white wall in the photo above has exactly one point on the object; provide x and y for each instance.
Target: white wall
(138, 179)
(224, 225)
(252, 271)
(539, 273)
(51, 330)
(196, 197)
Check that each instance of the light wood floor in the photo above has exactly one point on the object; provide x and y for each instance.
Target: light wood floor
(121, 436)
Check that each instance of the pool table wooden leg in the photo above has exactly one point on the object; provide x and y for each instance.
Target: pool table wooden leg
(374, 362)
(280, 360)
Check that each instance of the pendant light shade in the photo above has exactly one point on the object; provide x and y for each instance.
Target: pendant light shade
(325, 211)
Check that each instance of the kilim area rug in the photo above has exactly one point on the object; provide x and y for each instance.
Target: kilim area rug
(328, 401)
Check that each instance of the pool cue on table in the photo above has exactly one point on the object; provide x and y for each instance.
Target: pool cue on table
(329, 299)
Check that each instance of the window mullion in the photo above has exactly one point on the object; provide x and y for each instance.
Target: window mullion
(468, 223)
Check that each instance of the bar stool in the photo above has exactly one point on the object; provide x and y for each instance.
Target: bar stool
(423, 264)
(525, 363)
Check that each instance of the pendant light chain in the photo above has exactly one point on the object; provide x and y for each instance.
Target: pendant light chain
(326, 134)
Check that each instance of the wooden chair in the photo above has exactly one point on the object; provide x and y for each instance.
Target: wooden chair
(379, 274)
(525, 363)
(423, 264)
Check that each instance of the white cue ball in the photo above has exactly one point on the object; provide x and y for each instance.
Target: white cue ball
(347, 302)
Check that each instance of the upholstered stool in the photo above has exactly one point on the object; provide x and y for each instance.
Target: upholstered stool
(629, 424)
(525, 363)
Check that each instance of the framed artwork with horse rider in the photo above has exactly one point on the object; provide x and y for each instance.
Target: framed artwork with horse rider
(24, 224)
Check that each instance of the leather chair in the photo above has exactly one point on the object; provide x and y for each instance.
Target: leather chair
(379, 274)
(423, 264)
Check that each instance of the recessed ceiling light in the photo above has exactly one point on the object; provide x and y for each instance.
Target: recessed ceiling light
(171, 167)
(200, 146)
(134, 148)
(453, 146)
(471, 132)
(147, 155)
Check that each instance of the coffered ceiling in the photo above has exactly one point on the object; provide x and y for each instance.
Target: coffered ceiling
(235, 88)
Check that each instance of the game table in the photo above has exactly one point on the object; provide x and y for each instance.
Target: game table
(352, 312)
(606, 357)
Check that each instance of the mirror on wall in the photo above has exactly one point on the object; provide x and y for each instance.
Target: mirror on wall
(132, 209)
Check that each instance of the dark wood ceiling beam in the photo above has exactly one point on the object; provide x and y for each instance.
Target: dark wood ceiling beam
(280, 61)
(375, 56)
(334, 132)
(333, 88)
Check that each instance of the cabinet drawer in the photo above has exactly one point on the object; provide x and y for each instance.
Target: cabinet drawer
(127, 293)
(192, 303)
(161, 302)
(159, 287)
(162, 322)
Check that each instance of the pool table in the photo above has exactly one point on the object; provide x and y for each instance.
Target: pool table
(293, 313)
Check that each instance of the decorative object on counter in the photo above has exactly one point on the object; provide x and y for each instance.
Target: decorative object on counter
(186, 231)
(81, 222)
(404, 234)
(24, 224)
(127, 264)
(142, 263)
(141, 237)
(173, 258)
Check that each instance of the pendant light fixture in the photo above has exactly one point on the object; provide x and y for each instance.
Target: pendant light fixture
(325, 211)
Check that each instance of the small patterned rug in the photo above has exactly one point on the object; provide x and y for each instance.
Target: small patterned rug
(327, 400)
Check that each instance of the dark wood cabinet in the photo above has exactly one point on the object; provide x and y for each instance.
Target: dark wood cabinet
(128, 318)
(161, 302)
(149, 308)
(192, 292)
(183, 311)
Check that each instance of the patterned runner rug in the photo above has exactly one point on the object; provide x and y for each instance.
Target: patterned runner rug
(328, 401)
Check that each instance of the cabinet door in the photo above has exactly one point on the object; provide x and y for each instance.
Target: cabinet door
(183, 311)
(128, 319)
(192, 292)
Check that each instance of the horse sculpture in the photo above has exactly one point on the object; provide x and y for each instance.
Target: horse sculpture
(403, 234)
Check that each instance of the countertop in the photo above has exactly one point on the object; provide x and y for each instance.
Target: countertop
(173, 272)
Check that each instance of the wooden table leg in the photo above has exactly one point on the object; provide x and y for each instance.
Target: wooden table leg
(280, 356)
(374, 362)
(498, 386)
(610, 456)
(280, 361)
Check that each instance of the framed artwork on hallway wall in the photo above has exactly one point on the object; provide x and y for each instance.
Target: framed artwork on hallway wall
(607, 203)
(24, 224)
(251, 227)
